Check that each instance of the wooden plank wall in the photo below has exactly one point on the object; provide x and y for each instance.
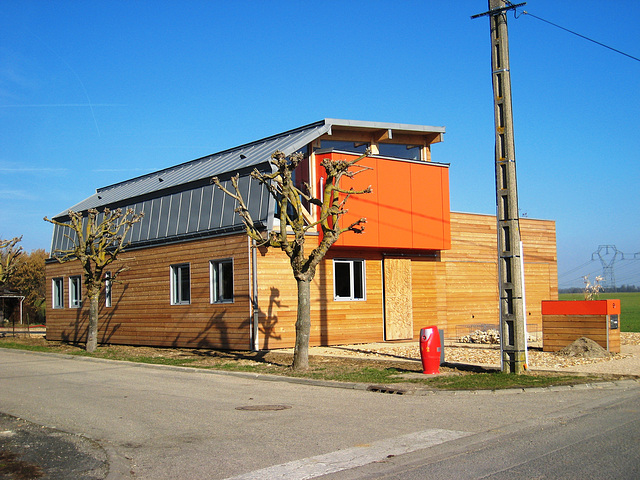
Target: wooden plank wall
(141, 312)
(454, 291)
(451, 289)
(471, 271)
(332, 322)
(561, 330)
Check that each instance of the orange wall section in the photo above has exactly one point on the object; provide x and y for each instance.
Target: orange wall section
(408, 208)
(580, 307)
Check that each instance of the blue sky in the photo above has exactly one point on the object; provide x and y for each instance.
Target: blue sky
(92, 93)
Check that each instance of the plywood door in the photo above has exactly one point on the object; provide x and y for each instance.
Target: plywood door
(398, 304)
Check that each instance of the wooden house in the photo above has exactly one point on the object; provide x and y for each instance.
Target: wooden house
(195, 279)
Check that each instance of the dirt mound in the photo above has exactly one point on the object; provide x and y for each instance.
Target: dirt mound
(584, 347)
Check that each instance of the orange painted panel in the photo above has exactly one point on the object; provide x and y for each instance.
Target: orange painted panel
(359, 206)
(395, 213)
(580, 307)
(409, 206)
(430, 207)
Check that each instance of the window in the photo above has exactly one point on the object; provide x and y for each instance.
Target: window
(410, 152)
(221, 280)
(348, 280)
(345, 146)
(58, 292)
(180, 284)
(107, 289)
(75, 291)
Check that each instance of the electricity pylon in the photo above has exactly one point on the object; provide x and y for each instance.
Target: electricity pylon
(607, 262)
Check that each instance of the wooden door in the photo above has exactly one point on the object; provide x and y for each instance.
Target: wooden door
(398, 303)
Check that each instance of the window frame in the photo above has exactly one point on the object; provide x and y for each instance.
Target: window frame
(353, 291)
(177, 284)
(394, 150)
(217, 284)
(57, 292)
(108, 288)
(75, 291)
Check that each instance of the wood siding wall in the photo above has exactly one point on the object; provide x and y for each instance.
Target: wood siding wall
(562, 330)
(455, 292)
(141, 312)
(454, 289)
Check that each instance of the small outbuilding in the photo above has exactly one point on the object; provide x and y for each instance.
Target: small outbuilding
(195, 279)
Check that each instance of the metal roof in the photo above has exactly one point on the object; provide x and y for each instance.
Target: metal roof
(232, 160)
(179, 202)
(184, 214)
(249, 155)
(404, 127)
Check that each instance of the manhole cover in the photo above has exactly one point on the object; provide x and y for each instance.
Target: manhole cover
(264, 408)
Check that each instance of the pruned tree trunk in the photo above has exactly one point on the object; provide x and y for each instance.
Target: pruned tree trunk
(293, 227)
(92, 330)
(303, 326)
(98, 240)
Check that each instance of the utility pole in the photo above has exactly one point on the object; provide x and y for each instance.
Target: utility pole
(513, 347)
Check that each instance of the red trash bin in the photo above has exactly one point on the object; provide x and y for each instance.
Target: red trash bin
(430, 350)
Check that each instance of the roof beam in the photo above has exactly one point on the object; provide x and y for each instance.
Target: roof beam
(382, 135)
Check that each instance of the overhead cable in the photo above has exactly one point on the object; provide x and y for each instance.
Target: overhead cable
(582, 36)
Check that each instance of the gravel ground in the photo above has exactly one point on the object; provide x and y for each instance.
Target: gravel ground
(625, 363)
(482, 354)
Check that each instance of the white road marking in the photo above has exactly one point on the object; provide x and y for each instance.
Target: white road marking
(353, 457)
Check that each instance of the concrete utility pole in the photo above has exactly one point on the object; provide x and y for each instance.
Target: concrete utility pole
(513, 347)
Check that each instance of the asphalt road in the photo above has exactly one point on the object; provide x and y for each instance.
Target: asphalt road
(177, 423)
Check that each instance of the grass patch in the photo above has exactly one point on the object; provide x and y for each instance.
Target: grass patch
(354, 375)
(17, 345)
(335, 369)
(629, 305)
(501, 381)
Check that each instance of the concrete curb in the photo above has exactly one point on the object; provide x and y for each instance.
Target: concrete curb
(622, 381)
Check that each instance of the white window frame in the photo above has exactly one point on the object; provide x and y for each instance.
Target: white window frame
(351, 262)
(177, 292)
(75, 291)
(216, 290)
(108, 284)
(57, 292)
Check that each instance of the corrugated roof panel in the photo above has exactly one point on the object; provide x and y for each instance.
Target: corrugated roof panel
(195, 212)
(205, 208)
(249, 155)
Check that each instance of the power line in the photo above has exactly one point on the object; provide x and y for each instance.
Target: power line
(580, 267)
(582, 36)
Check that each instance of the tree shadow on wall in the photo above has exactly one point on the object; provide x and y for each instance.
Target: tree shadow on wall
(267, 321)
(218, 333)
(107, 327)
(79, 328)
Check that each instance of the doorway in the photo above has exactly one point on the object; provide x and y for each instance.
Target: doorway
(398, 299)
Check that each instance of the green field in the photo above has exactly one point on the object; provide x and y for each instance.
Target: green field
(629, 303)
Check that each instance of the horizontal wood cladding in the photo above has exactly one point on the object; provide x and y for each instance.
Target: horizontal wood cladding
(455, 293)
(332, 322)
(558, 331)
(453, 289)
(141, 312)
(471, 274)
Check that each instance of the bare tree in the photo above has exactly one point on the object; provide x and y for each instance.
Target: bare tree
(295, 223)
(97, 238)
(9, 253)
